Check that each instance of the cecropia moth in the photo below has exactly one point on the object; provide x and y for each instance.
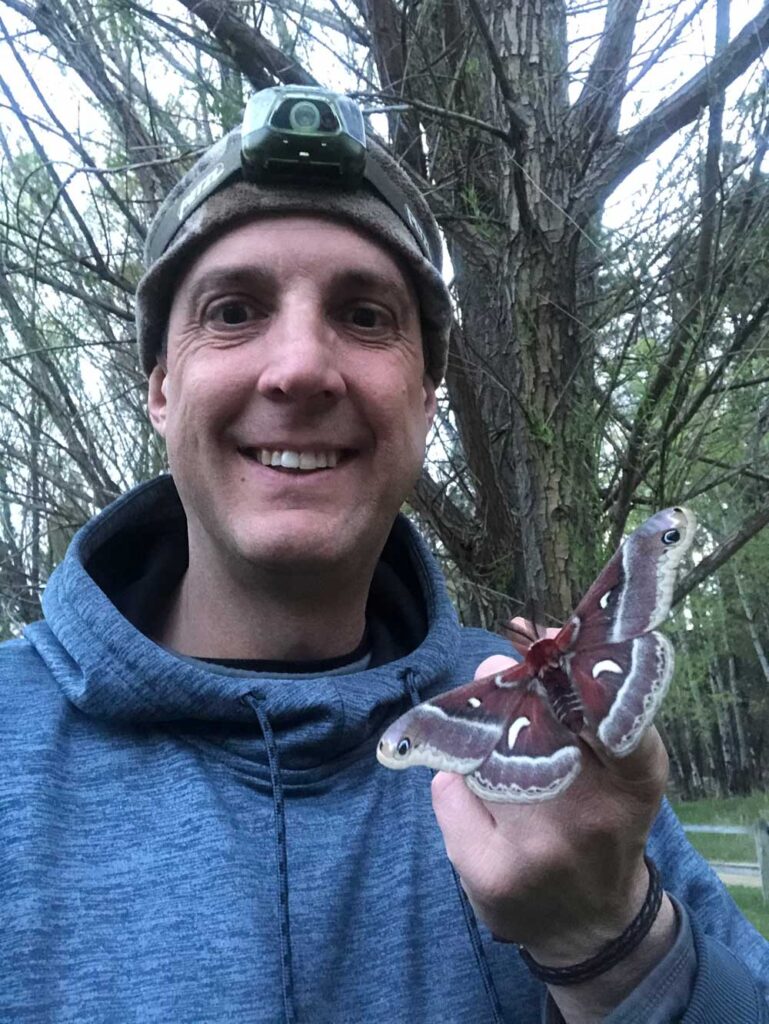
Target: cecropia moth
(514, 735)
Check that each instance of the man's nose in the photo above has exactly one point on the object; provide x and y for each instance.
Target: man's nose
(302, 357)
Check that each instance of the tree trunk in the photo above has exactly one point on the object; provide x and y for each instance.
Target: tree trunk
(697, 726)
(691, 746)
(755, 637)
(744, 758)
(679, 774)
(525, 384)
(723, 727)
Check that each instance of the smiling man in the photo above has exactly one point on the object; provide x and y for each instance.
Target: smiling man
(195, 826)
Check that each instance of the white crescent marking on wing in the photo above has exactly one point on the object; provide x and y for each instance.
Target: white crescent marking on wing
(605, 666)
(605, 599)
(474, 702)
(514, 730)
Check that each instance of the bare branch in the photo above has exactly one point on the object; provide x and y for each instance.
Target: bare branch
(261, 61)
(448, 521)
(631, 149)
(726, 549)
(518, 123)
(342, 23)
(598, 106)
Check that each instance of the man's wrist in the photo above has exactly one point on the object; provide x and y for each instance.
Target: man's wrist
(611, 952)
(607, 913)
(592, 1000)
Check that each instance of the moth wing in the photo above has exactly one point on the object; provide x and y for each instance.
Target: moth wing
(621, 686)
(535, 758)
(457, 730)
(633, 593)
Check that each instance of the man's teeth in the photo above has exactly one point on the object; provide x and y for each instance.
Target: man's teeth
(298, 460)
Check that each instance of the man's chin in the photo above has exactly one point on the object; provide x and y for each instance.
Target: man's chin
(296, 552)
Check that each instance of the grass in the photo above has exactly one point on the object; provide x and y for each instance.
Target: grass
(751, 903)
(733, 810)
(728, 848)
(737, 810)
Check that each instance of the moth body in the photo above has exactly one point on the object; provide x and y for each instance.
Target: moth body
(545, 660)
(564, 699)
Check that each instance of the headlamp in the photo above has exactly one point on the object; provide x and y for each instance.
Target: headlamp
(298, 135)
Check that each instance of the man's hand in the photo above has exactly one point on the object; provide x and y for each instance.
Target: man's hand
(563, 877)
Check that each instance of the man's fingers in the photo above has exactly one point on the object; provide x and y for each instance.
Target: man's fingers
(464, 820)
(648, 763)
(531, 630)
(521, 633)
(496, 663)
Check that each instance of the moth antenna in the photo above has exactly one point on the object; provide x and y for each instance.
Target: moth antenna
(518, 632)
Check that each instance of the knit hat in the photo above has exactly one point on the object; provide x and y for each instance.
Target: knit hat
(240, 201)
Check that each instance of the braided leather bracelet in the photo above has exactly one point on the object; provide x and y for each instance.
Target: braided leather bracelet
(613, 951)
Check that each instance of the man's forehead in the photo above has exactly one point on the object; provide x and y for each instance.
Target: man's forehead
(267, 250)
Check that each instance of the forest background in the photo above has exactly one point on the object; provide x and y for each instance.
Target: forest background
(609, 355)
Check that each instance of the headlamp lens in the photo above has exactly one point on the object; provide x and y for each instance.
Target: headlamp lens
(304, 116)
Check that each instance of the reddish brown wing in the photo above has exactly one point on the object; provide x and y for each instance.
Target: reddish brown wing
(632, 595)
(498, 731)
(535, 758)
(621, 687)
(618, 665)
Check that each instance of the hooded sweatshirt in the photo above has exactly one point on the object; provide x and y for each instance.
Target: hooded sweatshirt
(189, 842)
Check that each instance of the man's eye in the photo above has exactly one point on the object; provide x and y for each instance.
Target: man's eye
(368, 317)
(232, 313)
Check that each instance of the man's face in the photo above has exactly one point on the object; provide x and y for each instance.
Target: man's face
(296, 341)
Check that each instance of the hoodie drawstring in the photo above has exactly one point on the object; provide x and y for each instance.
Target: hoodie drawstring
(281, 857)
(410, 676)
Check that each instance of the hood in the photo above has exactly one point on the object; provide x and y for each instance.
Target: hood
(110, 670)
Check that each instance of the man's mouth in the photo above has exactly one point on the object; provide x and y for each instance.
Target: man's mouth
(302, 461)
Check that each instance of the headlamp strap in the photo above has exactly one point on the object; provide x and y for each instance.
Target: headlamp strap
(395, 199)
(228, 166)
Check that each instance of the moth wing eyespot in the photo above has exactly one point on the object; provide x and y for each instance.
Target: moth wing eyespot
(404, 746)
(671, 536)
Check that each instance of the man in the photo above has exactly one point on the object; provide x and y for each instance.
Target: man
(196, 829)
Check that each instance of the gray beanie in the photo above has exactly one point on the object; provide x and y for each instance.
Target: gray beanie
(242, 201)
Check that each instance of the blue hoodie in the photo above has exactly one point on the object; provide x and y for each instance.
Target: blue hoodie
(191, 843)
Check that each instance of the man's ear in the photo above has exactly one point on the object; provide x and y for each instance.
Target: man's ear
(157, 402)
(431, 402)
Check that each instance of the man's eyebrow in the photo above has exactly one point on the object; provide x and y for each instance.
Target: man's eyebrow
(373, 280)
(229, 278)
(247, 277)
